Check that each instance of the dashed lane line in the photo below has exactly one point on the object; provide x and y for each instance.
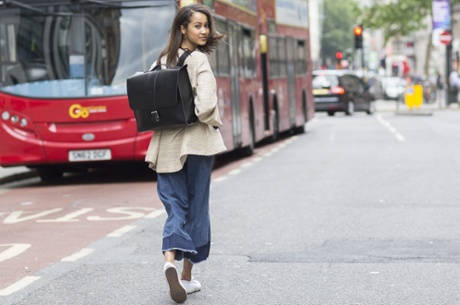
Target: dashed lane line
(76, 256)
(24, 282)
(255, 159)
(119, 232)
(388, 126)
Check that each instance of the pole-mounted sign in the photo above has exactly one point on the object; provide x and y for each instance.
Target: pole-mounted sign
(445, 37)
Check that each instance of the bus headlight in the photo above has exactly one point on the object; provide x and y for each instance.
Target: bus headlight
(23, 122)
(5, 116)
(14, 119)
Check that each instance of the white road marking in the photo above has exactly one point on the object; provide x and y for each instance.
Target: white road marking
(121, 231)
(256, 159)
(246, 164)
(235, 171)
(26, 281)
(220, 179)
(15, 216)
(155, 214)
(76, 256)
(388, 126)
(69, 217)
(12, 251)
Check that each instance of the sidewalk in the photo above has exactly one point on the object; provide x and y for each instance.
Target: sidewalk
(393, 106)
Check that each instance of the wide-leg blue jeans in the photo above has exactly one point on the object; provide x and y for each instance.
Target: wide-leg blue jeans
(185, 196)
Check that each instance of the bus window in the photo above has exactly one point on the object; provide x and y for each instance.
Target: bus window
(89, 50)
(248, 53)
(282, 56)
(273, 55)
(290, 50)
(301, 58)
(223, 54)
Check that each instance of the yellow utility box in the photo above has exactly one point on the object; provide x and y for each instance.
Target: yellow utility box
(413, 96)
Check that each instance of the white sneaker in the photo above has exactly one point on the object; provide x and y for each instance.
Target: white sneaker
(191, 286)
(176, 289)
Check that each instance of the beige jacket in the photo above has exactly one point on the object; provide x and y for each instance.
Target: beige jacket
(169, 148)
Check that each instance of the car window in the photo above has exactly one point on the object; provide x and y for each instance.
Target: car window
(325, 81)
(351, 83)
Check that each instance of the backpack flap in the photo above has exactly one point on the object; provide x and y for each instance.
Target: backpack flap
(140, 94)
(162, 97)
(165, 86)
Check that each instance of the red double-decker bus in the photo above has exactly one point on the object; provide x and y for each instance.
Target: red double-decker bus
(64, 65)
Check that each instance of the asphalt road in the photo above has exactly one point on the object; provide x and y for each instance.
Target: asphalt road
(359, 210)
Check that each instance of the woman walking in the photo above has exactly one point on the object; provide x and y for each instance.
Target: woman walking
(182, 157)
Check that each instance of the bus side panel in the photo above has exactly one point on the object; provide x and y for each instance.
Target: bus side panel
(225, 107)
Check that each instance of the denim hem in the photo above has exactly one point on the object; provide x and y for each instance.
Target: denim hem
(185, 249)
(201, 255)
(177, 242)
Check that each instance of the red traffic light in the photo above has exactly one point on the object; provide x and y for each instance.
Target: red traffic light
(339, 55)
(358, 30)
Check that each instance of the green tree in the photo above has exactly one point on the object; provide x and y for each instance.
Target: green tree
(339, 20)
(400, 18)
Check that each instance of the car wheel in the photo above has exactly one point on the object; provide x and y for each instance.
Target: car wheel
(330, 113)
(350, 108)
(371, 109)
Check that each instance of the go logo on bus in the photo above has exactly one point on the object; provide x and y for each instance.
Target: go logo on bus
(77, 111)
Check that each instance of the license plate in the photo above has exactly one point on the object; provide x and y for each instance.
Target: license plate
(320, 91)
(90, 155)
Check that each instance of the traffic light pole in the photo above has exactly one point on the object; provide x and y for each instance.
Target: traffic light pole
(358, 33)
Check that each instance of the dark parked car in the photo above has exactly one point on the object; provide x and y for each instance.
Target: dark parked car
(341, 90)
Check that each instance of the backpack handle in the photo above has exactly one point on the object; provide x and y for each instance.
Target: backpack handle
(180, 63)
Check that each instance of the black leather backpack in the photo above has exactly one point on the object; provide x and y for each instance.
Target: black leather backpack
(162, 98)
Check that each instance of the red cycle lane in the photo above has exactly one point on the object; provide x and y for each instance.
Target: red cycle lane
(40, 225)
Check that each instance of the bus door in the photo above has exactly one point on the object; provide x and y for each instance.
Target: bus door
(291, 79)
(233, 39)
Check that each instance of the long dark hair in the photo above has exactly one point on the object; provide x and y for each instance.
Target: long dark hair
(175, 38)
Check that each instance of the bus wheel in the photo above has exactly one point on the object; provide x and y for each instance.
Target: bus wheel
(276, 126)
(299, 129)
(249, 150)
(50, 173)
(302, 128)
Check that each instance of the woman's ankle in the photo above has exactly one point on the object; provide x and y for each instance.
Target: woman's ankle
(186, 277)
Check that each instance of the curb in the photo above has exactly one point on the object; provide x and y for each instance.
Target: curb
(18, 176)
(414, 113)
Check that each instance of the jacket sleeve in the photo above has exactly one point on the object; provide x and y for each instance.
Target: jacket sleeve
(206, 107)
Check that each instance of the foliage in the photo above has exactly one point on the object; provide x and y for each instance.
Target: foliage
(339, 20)
(398, 18)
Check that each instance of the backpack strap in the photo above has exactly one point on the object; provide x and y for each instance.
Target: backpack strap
(182, 58)
(180, 63)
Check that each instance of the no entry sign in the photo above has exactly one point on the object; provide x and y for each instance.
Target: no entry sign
(445, 37)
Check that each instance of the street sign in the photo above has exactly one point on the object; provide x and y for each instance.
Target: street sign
(445, 37)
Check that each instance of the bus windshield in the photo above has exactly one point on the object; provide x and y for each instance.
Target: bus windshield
(79, 50)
